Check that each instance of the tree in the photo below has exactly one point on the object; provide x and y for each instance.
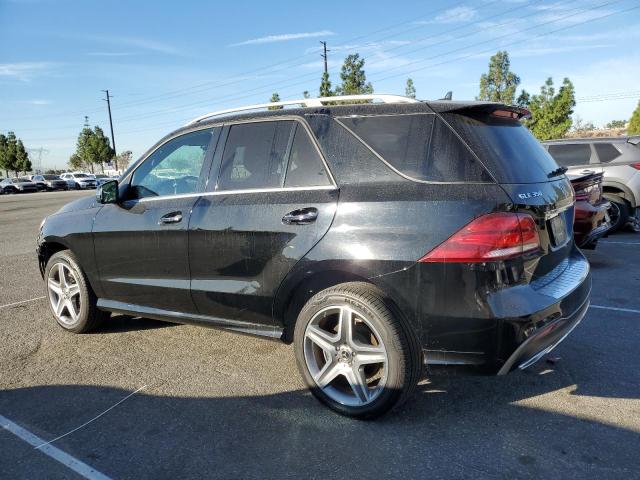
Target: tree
(124, 159)
(616, 124)
(500, 84)
(325, 86)
(633, 128)
(23, 163)
(410, 89)
(354, 79)
(523, 99)
(4, 155)
(92, 147)
(11, 153)
(99, 148)
(580, 126)
(551, 112)
(275, 98)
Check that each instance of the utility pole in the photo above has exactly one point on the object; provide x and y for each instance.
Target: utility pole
(324, 55)
(113, 140)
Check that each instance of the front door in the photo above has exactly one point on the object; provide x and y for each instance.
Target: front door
(141, 243)
(271, 202)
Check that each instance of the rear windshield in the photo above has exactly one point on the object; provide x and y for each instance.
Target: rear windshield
(505, 146)
(420, 146)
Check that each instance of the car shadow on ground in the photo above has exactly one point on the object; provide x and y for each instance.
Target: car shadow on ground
(456, 426)
(126, 323)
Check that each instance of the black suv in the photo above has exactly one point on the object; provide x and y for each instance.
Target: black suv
(375, 237)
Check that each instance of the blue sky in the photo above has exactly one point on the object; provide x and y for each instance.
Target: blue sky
(167, 62)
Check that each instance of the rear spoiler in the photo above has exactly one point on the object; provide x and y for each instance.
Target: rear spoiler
(634, 140)
(497, 109)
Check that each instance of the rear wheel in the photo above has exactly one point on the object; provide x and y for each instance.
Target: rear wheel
(619, 215)
(354, 352)
(71, 298)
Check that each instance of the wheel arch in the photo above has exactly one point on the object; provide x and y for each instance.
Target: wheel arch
(621, 191)
(46, 249)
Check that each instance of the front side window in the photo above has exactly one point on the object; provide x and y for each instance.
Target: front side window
(571, 154)
(174, 168)
(255, 155)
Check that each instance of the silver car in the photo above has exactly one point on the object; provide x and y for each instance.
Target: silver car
(618, 158)
(79, 180)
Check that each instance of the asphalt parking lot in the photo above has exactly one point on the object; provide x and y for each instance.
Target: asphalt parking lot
(144, 399)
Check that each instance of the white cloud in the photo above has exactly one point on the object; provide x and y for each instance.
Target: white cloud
(25, 70)
(135, 42)
(39, 102)
(453, 15)
(283, 37)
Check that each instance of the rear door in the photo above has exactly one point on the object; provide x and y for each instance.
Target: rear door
(269, 202)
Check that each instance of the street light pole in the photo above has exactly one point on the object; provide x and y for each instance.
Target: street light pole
(113, 140)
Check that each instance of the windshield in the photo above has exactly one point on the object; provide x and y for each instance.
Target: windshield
(506, 147)
(22, 180)
(50, 177)
(81, 175)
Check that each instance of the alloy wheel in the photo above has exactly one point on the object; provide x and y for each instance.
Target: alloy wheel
(64, 293)
(345, 356)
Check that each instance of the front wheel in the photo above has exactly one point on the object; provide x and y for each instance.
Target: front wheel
(71, 298)
(356, 353)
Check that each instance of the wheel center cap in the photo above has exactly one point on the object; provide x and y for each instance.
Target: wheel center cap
(345, 355)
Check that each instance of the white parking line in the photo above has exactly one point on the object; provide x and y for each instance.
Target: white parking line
(617, 309)
(23, 301)
(67, 460)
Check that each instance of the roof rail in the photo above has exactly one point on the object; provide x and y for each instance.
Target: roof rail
(309, 102)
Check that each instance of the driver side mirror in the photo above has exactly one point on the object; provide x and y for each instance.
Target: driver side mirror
(108, 192)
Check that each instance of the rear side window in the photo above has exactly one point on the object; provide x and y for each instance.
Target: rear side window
(420, 146)
(571, 154)
(606, 152)
(305, 167)
(505, 147)
(255, 155)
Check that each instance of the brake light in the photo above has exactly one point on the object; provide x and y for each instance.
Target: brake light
(636, 165)
(582, 195)
(491, 237)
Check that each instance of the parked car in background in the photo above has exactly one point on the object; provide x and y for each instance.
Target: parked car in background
(618, 158)
(50, 182)
(591, 219)
(79, 180)
(18, 185)
(29, 178)
(374, 237)
(101, 178)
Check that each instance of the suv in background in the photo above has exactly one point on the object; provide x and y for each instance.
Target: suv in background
(374, 237)
(79, 180)
(49, 181)
(618, 158)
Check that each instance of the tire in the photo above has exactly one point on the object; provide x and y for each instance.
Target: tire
(619, 214)
(79, 314)
(336, 360)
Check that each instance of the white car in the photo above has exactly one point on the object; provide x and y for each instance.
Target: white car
(79, 180)
(618, 158)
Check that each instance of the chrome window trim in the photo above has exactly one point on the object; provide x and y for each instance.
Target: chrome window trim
(236, 192)
(296, 118)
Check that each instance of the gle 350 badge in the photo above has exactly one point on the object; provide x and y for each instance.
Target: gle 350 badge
(530, 194)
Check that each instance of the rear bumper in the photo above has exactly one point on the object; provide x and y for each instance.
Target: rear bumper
(544, 340)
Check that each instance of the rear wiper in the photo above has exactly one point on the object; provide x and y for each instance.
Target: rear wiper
(558, 171)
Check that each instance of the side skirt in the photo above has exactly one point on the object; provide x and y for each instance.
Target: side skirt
(272, 332)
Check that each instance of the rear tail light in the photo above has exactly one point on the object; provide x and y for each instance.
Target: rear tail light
(636, 165)
(582, 195)
(491, 237)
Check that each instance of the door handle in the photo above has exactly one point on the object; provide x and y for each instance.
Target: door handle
(303, 216)
(173, 217)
